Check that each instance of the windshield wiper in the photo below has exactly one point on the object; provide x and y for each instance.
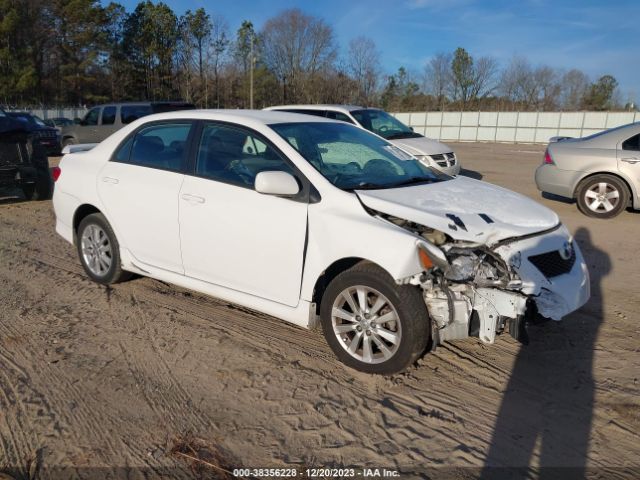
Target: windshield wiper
(399, 135)
(365, 186)
(413, 181)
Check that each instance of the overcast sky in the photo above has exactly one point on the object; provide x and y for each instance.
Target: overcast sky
(598, 37)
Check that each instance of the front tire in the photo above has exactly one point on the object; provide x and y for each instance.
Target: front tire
(602, 196)
(99, 250)
(371, 323)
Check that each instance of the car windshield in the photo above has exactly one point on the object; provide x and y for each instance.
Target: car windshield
(38, 121)
(383, 124)
(351, 158)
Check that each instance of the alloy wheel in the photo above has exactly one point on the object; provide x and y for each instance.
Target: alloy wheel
(96, 250)
(602, 197)
(366, 324)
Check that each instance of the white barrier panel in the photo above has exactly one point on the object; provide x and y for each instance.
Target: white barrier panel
(512, 127)
(46, 113)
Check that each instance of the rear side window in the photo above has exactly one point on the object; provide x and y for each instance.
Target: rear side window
(109, 115)
(338, 116)
(236, 156)
(130, 113)
(161, 146)
(316, 113)
(632, 143)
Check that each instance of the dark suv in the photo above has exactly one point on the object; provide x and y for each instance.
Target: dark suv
(103, 120)
(49, 136)
(23, 160)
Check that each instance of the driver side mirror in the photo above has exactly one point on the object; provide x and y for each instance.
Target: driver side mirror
(276, 183)
(411, 128)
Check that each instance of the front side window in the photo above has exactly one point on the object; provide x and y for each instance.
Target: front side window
(161, 146)
(130, 113)
(234, 155)
(109, 115)
(383, 124)
(91, 118)
(632, 143)
(352, 158)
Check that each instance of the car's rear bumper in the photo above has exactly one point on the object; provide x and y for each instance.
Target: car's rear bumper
(551, 179)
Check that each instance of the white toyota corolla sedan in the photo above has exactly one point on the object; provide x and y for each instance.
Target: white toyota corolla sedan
(317, 222)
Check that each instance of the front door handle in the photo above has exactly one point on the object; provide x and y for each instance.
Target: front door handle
(631, 159)
(110, 180)
(192, 198)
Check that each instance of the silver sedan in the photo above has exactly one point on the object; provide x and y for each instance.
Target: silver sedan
(601, 172)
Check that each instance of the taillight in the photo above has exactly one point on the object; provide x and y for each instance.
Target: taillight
(547, 158)
(55, 173)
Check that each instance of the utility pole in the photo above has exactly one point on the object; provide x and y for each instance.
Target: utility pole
(251, 65)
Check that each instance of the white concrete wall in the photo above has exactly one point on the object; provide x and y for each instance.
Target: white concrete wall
(512, 127)
(69, 113)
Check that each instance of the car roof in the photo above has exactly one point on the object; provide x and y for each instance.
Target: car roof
(265, 117)
(342, 108)
(613, 135)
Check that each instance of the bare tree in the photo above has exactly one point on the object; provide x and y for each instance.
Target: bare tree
(548, 88)
(526, 87)
(363, 63)
(437, 77)
(484, 77)
(514, 80)
(297, 47)
(575, 84)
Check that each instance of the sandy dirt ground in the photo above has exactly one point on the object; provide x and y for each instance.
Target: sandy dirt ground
(102, 382)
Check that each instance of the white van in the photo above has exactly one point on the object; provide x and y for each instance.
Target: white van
(428, 151)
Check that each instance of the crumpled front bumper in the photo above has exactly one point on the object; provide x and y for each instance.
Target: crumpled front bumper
(556, 295)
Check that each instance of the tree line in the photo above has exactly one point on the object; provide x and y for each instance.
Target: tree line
(79, 52)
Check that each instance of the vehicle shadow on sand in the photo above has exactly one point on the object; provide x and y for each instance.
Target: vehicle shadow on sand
(470, 173)
(546, 413)
(558, 198)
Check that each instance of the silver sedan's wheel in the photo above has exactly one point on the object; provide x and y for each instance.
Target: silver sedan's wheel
(602, 197)
(96, 250)
(366, 324)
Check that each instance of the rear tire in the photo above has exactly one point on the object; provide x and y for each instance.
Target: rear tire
(389, 323)
(68, 141)
(99, 250)
(602, 196)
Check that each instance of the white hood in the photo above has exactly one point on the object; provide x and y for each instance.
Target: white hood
(478, 211)
(421, 146)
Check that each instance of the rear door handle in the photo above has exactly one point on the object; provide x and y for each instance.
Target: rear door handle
(631, 159)
(110, 180)
(192, 198)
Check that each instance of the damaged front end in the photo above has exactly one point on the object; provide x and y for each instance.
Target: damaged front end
(484, 290)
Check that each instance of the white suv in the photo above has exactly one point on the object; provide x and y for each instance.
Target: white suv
(311, 219)
(429, 151)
